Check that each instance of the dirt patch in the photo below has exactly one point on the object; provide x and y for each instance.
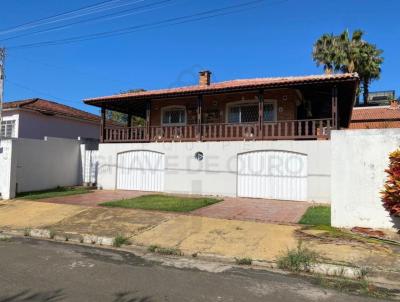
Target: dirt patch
(352, 249)
(230, 238)
(30, 214)
(111, 222)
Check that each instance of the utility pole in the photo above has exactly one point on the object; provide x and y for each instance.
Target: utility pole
(2, 76)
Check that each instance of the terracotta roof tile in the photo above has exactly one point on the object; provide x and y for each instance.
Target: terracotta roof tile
(234, 84)
(374, 125)
(53, 108)
(375, 113)
(375, 117)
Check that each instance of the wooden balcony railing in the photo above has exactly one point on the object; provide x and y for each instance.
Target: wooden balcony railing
(280, 130)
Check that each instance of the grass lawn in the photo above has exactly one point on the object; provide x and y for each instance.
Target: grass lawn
(318, 215)
(163, 203)
(57, 192)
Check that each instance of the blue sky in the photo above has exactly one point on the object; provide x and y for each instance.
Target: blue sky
(273, 39)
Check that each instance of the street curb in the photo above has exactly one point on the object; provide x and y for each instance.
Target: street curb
(61, 236)
(330, 270)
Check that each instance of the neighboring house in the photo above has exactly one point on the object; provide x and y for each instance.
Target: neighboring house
(381, 98)
(375, 117)
(264, 137)
(37, 118)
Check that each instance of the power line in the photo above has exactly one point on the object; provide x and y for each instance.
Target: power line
(69, 68)
(90, 9)
(122, 31)
(42, 93)
(122, 13)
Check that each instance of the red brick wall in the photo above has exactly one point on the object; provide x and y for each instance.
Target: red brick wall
(214, 107)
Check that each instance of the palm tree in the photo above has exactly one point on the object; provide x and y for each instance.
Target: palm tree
(325, 52)
(349, 54)
(348, 50)
(369, 67)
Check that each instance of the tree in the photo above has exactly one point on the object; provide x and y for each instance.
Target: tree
(343, 53)
(369, 67)
(118, 117)
(325, 52)
(122, 118)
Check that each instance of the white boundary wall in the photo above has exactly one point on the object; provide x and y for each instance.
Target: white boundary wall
(216, 174)
(359, 159)
(6, 171)
(33, 165)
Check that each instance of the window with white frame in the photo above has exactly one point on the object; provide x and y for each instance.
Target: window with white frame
(173, 116)
(7, 129)
(245, 112)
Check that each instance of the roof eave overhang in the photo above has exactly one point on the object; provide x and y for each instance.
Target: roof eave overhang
(99, 102)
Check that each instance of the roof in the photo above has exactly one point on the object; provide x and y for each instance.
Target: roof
(374, 125)
(51, 108)
(375, 117)
(233, 85)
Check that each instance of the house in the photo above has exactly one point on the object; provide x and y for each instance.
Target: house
(375, 117)
(37, 118)
(261, 138)
(379, 98)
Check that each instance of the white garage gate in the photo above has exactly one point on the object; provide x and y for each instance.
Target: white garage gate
(273, 175)
(141, 170)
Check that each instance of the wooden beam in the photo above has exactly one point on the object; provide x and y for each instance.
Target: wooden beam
(335, 107)
(148, 112)
(199, 113)
(129, 120)
(103, 125)
(261, 112)
(148, 118)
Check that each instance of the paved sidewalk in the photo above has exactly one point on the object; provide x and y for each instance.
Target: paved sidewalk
(261, 210)
(198, 235)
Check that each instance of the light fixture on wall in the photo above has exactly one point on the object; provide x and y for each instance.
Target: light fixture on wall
(199, 156)
(284, 98)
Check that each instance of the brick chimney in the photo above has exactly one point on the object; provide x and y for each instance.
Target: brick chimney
(205, 78)
(394, 104)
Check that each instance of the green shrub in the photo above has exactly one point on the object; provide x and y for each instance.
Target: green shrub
(169, 251)
(165, 250)
(298, 259)
(391, 191)
(120, 240)
(153, 248)
(52, 233)
(244, 261)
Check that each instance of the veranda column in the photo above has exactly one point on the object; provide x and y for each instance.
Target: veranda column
(334, 107)
(199, 121)
(148, 117)
(103, 125)
(260, 113)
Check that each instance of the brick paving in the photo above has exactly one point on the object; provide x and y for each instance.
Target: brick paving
(248, 209)
(261, 210)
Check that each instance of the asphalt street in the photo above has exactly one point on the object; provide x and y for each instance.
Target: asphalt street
(35, 270)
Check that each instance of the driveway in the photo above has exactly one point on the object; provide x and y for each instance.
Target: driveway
(247, 209)
(260, 210)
